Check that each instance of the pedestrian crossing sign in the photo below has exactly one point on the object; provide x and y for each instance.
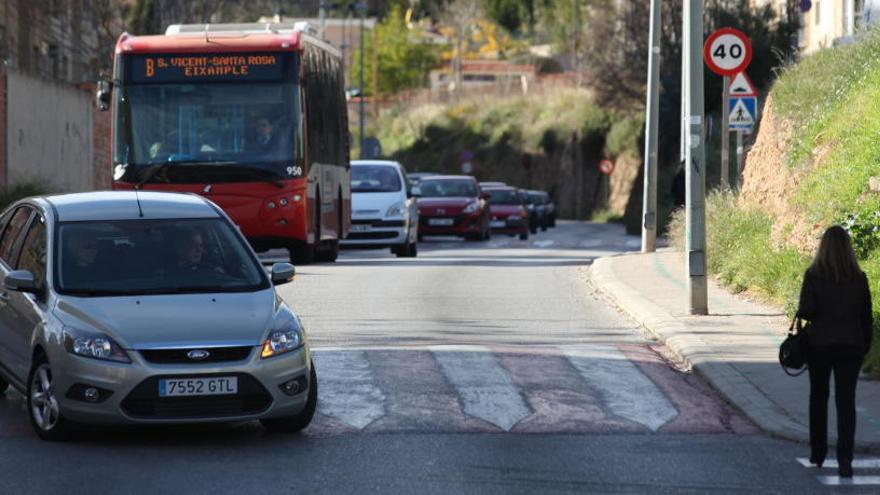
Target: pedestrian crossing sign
(743, 112)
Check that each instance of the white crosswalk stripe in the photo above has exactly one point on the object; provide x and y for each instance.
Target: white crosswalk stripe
(485, 389)
(627, 391)
(347, 388)
(869, 463)
(856, 480)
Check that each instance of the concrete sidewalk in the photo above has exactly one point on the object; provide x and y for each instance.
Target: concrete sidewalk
(735, 348)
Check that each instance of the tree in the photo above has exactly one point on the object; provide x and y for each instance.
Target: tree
(403, 60)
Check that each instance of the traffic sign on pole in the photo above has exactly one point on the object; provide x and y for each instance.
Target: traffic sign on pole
(727, 51)
(742, 113)
(741, 85)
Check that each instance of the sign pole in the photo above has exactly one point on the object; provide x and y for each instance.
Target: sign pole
(739, 158)
(649, 196)
(695, 209)
(725, 135)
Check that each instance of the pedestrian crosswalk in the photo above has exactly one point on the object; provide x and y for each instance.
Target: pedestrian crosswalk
(860, 466)
(600, 388)
(576, 388)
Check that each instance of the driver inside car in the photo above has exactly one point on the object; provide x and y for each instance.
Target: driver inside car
(189, 247)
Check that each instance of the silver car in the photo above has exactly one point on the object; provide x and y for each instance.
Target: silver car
(145, 308)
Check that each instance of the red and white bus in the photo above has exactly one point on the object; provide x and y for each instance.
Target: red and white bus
(252, 117)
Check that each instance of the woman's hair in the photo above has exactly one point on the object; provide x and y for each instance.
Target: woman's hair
(836, 261)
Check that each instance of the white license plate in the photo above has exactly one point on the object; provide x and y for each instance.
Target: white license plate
(497, 224)
(360, 227)
(184, 387)
(440, 221)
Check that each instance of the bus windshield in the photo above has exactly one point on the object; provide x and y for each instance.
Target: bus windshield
(218, 131)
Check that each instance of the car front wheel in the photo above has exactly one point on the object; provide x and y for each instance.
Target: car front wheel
(297, 422)
(42, 402)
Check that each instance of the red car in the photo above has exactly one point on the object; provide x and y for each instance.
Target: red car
(509, 213)
(453, 205)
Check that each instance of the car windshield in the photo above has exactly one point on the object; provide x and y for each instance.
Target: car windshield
(222, 130)
(504, 197)
(448, 188)
(134, 257)
(536, 198)
(374, 178)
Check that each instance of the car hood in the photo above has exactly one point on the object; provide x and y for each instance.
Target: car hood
(179, 320)
(445, 202)
(374, 204)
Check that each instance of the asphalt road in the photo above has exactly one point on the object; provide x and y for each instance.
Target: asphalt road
(479, 367)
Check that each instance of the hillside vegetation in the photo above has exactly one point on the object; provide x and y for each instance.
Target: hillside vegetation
(811, 167)
(561, 133)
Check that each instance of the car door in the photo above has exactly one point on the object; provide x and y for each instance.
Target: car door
(27, 310)
(13, 230)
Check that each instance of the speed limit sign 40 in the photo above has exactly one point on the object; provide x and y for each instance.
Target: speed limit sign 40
(727, 51)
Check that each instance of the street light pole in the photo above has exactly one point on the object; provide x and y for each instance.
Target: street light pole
(649, 197)
(361, 109)
(695, 209)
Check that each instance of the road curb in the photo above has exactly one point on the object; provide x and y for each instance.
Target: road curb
(676, 336)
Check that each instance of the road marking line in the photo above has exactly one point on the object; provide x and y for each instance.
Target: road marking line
(855, 480)
(626, 391)
(634, 243)
(867, 463)
(543, 244)
(347, 388)
(590, 243)
(484, 387)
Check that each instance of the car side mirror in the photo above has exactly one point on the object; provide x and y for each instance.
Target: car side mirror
(282, 273)
(102, 95)
(22, 281)
(415, 192)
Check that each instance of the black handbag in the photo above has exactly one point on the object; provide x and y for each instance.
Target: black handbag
(793, 350)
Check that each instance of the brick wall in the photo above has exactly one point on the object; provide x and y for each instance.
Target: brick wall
(101, 125)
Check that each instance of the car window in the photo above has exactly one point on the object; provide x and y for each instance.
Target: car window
(33, 252)
(504, 197)
(448, 188)
(154, 257)
(374, 178)
(11, 233)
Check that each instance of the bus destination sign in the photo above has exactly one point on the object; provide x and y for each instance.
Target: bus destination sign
(167, 68)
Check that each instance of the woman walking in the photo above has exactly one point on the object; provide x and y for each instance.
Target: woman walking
(836, 300)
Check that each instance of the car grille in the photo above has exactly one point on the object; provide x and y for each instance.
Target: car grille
(144, 402)
(179, 356)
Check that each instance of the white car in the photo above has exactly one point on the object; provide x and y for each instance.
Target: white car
(383, 209)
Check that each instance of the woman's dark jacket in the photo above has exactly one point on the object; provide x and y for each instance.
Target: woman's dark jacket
(839, 314)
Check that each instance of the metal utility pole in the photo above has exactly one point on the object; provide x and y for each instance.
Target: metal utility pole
(649, 196)
(363, 6)
(725, 134)
(740, 154)
(322, 15)
(695, 209)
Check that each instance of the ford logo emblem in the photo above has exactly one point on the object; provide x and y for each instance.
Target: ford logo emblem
(198, 354)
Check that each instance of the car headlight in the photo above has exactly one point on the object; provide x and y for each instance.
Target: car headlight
(283, 341)
(396, 210)
(470, 208)
(94, 345)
